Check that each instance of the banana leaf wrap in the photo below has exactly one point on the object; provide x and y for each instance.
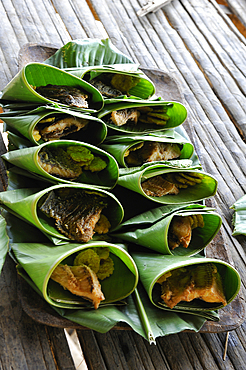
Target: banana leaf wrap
(40, 260)
(144, 89)
(152, 266)
(28, 160)
(175, 111)
(151, 229)
(119, 146)
(239, 216)
(25, 204)
(138, 312)
(21, 87)
(88, 52)
(132, 179)
(25, 123)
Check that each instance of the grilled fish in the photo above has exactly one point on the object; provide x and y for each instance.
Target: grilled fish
(57, 162)
(189, 283)
(157, 186)
(150, 152)
(76, 212)
(54, 129)
(68, 95)
(79, 280)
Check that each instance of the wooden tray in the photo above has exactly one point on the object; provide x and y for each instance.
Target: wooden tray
(168, 87)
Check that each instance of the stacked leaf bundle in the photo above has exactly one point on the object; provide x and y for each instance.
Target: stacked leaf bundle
(91, 151)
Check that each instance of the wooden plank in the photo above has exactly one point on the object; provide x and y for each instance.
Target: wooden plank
(89, 346)
(72, 23)
(238, 7)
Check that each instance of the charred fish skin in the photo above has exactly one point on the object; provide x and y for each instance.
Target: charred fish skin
(75, 213)
(105, 90)
(67, 95)
(157, 186)
(55, 128)
(57, 162)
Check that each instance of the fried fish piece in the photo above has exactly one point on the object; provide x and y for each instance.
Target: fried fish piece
(68, 95)
(57, 128)
(179, 232)
(79, 280)
(104, 89)
(76, 212)
(186, 284)
(57, 162)
(124, 116)
(152, 151)
(157, 186)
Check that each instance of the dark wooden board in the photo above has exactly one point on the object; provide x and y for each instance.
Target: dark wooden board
(168, 87)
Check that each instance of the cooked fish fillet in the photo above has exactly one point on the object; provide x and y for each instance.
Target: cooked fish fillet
(153, 151)
(123, 116)
(75, 214)
(202, 282)
(62, 127)
(105, 90)
(179, 232)
(57, 162)
(157, 187)
(68, 95)
(79, 280)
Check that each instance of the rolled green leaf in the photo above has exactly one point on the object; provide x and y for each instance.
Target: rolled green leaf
(62, 168)
(130, 80)
(239, 216)
(134, 178)
(122, 146)
(40, 260)
(87, 52)
(30, 125)
(175, 114)
(153, 229)
(152, 267)
(22, 88)
(25, 204)
(4, 242)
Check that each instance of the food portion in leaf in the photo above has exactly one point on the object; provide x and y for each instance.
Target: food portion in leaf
(69, 95)
(79, 280)
(67, 162)
(180, 230)
(77, 213)
(170, 183)
(112, 85)
(82, 278)
(192, 282)
(150, 151)
(56, 127)
(156, 115)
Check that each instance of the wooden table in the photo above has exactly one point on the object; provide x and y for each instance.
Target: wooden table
(196, 42)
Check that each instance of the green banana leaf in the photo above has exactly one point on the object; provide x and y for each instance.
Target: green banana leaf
(21, 87)
(132, 178)
(138, 312)
(152, 266)
(87, 52)
(4, 246)
(119, 146)
(24, 203)
(239, 216)
(25, 123)
(40, 260)
(144, 88)
(151, 229)
(27, 159)
(175, 110)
